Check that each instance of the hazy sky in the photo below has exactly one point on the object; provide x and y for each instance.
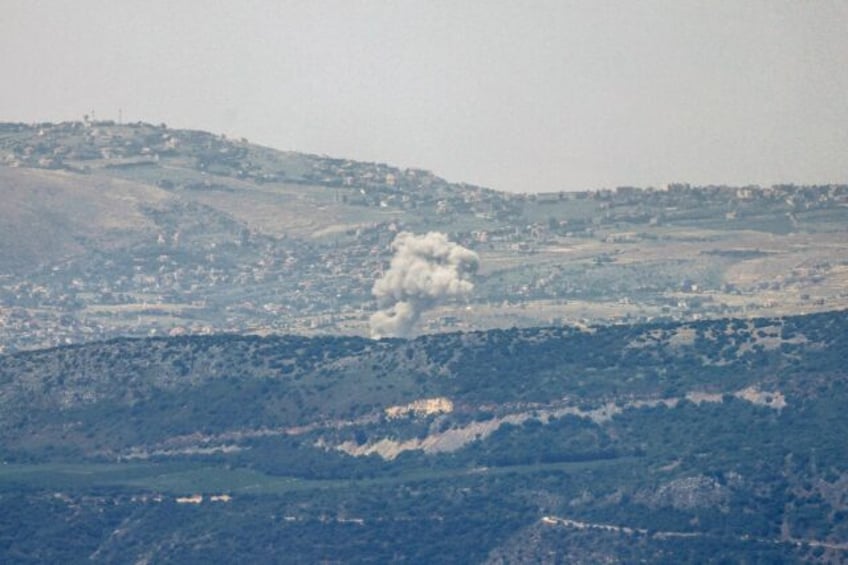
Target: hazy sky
(520, 96)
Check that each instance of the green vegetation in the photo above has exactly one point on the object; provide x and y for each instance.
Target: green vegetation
(682, 433)
(663, 442)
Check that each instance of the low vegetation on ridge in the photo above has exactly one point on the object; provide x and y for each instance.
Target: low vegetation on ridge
(654, 441)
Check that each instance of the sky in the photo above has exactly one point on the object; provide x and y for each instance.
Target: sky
(529, 96)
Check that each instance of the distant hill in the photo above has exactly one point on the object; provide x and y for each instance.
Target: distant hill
(664, 442)
(50, 216)
(138, 229)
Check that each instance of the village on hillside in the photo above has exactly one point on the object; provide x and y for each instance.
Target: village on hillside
(610, 255)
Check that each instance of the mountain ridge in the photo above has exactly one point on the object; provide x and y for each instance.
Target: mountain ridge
(664, 441)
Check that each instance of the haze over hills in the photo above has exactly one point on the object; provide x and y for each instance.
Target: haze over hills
(136, 229)
(640, 374)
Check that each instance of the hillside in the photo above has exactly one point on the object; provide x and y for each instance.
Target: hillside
(112, 229)
(663, 442)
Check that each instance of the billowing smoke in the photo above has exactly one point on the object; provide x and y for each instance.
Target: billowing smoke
(425, 271)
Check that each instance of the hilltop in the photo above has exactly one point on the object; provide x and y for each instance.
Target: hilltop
(139, 229)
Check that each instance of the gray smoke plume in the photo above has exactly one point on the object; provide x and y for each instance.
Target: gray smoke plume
(425, 271)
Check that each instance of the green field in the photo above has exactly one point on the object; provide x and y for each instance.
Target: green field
(181, 478)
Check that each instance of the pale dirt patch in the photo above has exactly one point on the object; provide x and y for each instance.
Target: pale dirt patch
(423, 407)
(704, 397)
(754, 395)
(456, 438)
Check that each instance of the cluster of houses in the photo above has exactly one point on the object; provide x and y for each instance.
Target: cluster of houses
(174, 284)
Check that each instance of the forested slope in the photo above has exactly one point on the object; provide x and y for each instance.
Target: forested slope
(665, 442)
